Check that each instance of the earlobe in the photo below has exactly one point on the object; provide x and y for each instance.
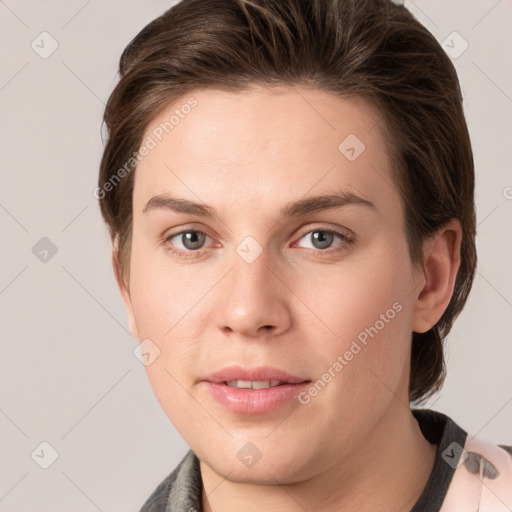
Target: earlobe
(441, 253)
(125, 293)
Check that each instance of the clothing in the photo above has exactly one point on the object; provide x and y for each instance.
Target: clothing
(477, 477)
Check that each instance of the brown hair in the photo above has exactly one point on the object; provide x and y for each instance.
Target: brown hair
(370, 48)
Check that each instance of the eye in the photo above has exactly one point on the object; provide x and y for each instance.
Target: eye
(323, 238)
(186, 241)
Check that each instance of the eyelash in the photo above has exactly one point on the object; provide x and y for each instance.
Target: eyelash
(190, 254)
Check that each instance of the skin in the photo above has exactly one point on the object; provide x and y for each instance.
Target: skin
(356, 445)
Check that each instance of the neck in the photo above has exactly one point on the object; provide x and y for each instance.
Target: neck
(387, 471)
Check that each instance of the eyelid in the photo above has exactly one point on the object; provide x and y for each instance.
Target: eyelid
(186, 229)
(339, 230)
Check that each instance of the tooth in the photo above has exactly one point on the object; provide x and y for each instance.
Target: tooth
(253, 384)
(260, 384)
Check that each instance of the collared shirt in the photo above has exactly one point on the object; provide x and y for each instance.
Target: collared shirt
(468, 474)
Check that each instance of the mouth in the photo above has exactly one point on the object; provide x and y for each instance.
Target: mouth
(254, 390)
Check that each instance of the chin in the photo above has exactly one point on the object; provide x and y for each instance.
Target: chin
(261, 462)
(262, 473)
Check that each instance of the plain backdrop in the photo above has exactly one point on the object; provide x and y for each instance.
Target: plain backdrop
(68, 375)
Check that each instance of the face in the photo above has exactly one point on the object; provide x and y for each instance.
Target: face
(283, 321)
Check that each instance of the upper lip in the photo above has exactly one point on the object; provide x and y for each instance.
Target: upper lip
(260, 373)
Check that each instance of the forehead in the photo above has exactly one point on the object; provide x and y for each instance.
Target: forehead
(264, 142)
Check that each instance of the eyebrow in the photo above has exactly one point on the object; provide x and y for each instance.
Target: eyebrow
(296, 209)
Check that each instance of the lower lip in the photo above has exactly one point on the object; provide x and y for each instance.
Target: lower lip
(254, 401)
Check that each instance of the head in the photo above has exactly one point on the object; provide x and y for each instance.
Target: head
(251, 109)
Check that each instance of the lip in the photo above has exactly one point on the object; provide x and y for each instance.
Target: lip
(253, 401)
(258, 373)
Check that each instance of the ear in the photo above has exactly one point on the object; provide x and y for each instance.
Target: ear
(441, 255)
(125, 293)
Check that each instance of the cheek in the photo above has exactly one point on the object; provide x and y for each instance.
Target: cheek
(162, 293)
(366, 305)
(171, 307)
(351, 296)
(163, 306)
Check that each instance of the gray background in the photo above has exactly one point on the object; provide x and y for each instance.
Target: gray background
(68, 375)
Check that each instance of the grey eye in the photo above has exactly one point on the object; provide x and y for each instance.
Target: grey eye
(191, 240)
(320, 239)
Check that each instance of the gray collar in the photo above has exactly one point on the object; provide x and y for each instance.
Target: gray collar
(181, 491)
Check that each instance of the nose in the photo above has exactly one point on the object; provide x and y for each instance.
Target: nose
(255, 300)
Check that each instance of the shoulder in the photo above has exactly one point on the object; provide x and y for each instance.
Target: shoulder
(482, 480)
